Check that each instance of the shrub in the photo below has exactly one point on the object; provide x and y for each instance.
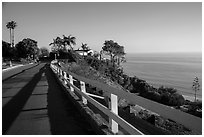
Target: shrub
(24, 61)
(165, 97)
(153, 96)
(140, 86)
(163, 89)
(176, 100)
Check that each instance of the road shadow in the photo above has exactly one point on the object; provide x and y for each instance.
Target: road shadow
(11, 110)
(64, 118)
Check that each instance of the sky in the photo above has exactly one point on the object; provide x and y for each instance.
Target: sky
(139, 27)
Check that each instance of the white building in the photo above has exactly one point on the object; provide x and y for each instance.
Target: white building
(85, 52)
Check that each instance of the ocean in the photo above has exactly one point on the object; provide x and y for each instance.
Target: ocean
(176, 70)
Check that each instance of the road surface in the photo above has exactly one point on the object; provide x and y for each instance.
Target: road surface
(9, 72)
(33, 104)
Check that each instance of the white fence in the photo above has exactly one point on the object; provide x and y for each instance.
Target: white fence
(189, 121)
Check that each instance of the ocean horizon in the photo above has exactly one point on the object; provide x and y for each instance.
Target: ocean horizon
(176, 70)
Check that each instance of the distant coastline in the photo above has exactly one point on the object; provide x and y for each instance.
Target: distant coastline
(175, 70)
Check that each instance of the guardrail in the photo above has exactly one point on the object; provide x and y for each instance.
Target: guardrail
(189, 121)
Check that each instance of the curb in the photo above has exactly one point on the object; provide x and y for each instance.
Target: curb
(9, 68)
(21, 71)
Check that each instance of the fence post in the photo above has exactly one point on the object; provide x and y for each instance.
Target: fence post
(72, 82)
(113, 105)
(65, 78)
(58, 71)
(61, 76)
(83, 89)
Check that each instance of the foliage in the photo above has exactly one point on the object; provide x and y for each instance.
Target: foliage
(7, 50)
(196, 86)
(96, 54)
(69, 41)
(60, 44)
(139, 85)
(93, 62)
(57, 45)
(84, 47)
(164, 95)
(21, 50)
(176, 100)
(153, 95)
(163, 89)
(27, 48)
(11, 26)
(43, 52)
(114, 50)
(165, 98)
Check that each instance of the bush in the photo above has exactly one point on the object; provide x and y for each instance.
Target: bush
(24, 61)
(139, 85)
(165, 97)
(176, 100)
(153, 96)
(93, 62)
(169, 96)
(163, 89)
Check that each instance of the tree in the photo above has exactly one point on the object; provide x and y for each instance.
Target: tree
(60, 44)
(21, 50)
(56, 45)
(108, 48)
(27, 48)
(96, 54)
(69, 41)
(119, 54)
(44, 52)
(114, 50)
(6, 49)
(11, 26)
(196, 86)
(53, 44)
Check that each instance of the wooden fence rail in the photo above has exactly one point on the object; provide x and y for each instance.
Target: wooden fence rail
(189, 121)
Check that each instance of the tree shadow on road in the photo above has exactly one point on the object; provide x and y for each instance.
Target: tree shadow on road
(11, 110)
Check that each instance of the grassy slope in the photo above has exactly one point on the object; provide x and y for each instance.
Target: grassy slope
(80, 67)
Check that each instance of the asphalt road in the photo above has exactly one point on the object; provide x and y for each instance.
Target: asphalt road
(33, 104)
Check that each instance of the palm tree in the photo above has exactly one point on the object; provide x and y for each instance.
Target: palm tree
(56, 45)
(69, 41)
(11, 26)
